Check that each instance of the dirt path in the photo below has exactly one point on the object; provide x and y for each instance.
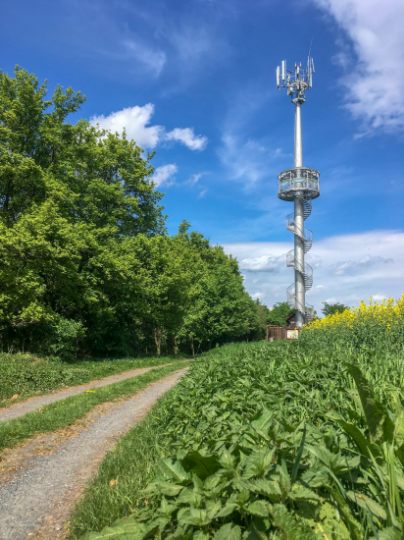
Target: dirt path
(43, 479)
(24, 407)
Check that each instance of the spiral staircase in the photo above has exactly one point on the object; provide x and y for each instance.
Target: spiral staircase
(306, 271)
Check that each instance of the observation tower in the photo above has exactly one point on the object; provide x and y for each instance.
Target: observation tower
(299, 185)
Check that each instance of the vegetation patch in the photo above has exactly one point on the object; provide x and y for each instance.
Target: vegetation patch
(23, 375)
(66, 412)
(263, 441)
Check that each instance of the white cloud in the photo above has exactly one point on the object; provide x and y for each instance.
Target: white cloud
(267, 263)
(165, 175)
(136, 122)
(375, 80)
(202, 194)
(257, 295)
(187, 136)
(352, 266)
(372, 266)
(378, 297)
(247, 160)
(153, 60)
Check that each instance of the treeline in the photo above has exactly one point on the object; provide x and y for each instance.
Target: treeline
(86, 265)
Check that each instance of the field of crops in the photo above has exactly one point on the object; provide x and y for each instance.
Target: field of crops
(268, 441)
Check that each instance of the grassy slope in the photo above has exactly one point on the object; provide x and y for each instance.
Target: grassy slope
(25, 375)
(64, 413)
(219, 398)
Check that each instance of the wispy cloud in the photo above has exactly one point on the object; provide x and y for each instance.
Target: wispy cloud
(372, 266)
(194, 179)
(152, 59)
(373, 59)
(165, 175)
(248, 160)
(136, 122)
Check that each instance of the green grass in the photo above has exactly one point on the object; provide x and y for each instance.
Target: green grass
(68, 411)
(25, 375)
(262, 437)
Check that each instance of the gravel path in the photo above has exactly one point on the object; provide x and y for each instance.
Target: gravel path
(19, 409)
(49, 474)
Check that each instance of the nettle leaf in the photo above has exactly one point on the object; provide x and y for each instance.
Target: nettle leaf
(166, 488)
(202, 466)
(259, 508)
(172, 469)
(265, 487)
(257, 529)
(290, 526)
(194, 516)
(228, 532)
(369, 504)
(200, 535)
(227, 510)
(314, 478)
(388, 534)
(120, 530)
(262, 422)
(227, 460)
(300, 493)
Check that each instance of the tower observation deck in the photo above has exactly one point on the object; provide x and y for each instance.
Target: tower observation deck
(300, 185)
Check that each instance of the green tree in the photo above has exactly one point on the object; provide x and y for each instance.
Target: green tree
(278, 314)
(86, 266)
(331, 309)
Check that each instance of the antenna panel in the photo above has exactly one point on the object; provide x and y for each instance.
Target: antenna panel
(278, 77)
(283, 69)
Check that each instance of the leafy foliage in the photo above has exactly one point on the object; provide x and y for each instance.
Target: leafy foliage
(332, 309)
(278, 314)
(267, 442)
(85, 263)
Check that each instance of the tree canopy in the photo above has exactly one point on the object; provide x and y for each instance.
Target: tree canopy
(331, 309)
(86, 265)
(277, 315)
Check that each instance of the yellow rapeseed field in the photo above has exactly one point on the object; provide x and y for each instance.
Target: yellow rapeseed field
(376, 323)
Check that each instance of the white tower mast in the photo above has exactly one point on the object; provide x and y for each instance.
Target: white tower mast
(299, 185)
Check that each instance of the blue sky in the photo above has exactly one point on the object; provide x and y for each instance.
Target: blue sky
(194, 80)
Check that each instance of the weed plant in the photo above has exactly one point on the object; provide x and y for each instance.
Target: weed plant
(66, 412)
(25, 375)
(261, 441)
(270, 441)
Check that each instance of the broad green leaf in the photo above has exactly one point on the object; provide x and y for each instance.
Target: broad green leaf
(202, 466)
(173, 469)
(125, 530)
(265, 487)
(227, 510)
(290, 526)
(300, 493)
(262, 422)
(388, 534)
(365, 502)
(380, 426)
(228, 532)
(259, 508)
(200, 535)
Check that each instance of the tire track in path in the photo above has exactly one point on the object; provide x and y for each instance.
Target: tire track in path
(24, 407)
(37, 501)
